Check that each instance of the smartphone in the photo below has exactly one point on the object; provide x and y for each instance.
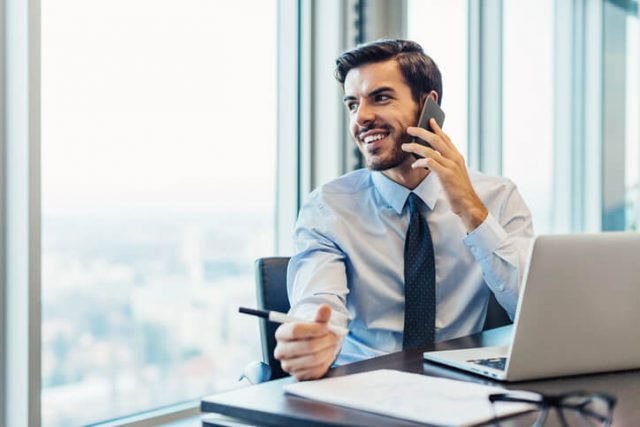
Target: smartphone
(430, 110)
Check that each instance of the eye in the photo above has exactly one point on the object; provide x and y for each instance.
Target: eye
(382, 98)
(352, 106)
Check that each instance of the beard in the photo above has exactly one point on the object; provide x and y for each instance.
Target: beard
(394, 158)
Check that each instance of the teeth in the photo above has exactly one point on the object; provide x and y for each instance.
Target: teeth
(375, 137)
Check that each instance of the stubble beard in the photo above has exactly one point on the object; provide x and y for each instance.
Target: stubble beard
(395, 157)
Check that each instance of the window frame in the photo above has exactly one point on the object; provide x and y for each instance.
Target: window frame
(485, 59)
(20, 192)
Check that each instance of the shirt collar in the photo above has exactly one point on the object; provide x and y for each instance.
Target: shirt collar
(396, 195)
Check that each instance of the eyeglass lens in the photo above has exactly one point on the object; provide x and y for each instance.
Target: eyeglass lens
(571, 410)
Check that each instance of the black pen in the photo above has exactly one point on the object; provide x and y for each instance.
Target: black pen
(276, 316)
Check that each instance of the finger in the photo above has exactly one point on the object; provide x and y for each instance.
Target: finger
(312, 371)
(292, 349)
(307, 362)
(414, 147)
(323, 314)
(310, 374)
(420, 163)
(438, 131)
(292, 331)
(421, 133)
(430, 163)
(426, 152)
(436, 141)
(436, 128)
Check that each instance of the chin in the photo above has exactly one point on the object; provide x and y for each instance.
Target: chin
(378, 164)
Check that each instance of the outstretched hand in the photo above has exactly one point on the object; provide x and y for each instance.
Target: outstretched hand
(306, 350)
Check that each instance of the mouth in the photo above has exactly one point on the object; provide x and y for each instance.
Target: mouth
(374, 139)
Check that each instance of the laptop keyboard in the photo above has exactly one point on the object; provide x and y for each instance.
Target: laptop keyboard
(498, 363)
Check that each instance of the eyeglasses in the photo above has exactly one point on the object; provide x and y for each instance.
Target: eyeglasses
(587, 409)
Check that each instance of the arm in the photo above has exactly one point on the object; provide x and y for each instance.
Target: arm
(500, 244)
(317, 287)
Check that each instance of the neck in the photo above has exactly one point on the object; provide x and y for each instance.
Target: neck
(405, 175)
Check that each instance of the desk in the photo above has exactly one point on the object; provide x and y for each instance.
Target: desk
(266, 404)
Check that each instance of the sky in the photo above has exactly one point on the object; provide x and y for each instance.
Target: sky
(153, 104)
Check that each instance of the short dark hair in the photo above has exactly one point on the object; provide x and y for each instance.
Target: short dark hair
(419, 71)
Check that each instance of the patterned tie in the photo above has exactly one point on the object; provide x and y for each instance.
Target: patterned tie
(419, 280)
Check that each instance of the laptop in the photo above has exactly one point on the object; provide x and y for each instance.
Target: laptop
(578, 312)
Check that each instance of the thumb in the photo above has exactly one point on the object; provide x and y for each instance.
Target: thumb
(323, 314)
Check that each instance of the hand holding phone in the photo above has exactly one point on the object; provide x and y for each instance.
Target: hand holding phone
(430, 110)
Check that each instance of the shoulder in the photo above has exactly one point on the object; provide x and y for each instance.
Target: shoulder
(343, 193)
(350, 183)
(342, 188)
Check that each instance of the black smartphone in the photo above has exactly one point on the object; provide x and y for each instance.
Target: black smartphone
(430, 110)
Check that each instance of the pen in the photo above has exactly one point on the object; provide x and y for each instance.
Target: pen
(275, 316)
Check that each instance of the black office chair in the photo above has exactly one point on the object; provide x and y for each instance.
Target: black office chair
(271, 294)
(271, 287)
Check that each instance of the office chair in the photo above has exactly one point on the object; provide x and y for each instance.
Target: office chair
(271, 292)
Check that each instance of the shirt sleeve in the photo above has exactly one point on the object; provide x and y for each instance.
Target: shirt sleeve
(317, 273)
(501, 245)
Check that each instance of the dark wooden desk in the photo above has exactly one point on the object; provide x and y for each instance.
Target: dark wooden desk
(266, 404)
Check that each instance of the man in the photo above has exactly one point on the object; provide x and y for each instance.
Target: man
(405, 252)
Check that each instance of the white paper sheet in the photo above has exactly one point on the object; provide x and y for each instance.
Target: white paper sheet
(409, 396)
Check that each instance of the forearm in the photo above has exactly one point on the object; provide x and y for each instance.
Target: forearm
(316, 276)
(502, 253)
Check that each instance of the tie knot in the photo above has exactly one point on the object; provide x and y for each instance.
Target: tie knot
(414, 202)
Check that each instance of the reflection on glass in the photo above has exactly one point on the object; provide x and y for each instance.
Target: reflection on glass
(155, 199)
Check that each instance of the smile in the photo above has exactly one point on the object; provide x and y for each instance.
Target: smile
(375, 137)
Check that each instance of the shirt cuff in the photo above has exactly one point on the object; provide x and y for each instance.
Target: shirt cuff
(486, 238)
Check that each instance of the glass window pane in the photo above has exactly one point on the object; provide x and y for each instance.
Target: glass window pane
(441, 27)
(620, 105)
(156, 199)
(632, 157)
(528, 104)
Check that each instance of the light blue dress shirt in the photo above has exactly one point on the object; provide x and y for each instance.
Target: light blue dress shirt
(350, 254)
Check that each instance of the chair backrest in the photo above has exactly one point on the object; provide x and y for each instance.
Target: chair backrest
(496, 315)
(271, 287)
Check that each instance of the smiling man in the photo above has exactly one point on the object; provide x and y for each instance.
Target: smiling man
(406, 251)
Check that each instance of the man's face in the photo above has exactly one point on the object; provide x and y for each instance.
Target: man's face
(380, 109)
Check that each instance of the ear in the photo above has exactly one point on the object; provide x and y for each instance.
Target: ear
(434, 95)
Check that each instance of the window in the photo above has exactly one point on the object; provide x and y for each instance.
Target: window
(528, 104)
(440, 26)
(158, 190)
(632, 112)
(621, 135)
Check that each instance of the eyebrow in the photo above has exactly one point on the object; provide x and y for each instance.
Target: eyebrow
(371, 94)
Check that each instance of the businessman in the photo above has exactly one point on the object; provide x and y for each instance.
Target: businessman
(406, 251)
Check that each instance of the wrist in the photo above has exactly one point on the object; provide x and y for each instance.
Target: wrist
(474, 216)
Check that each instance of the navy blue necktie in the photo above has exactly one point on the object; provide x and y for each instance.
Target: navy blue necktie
(419, 280)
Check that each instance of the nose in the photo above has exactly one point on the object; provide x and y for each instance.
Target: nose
(364, 115)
